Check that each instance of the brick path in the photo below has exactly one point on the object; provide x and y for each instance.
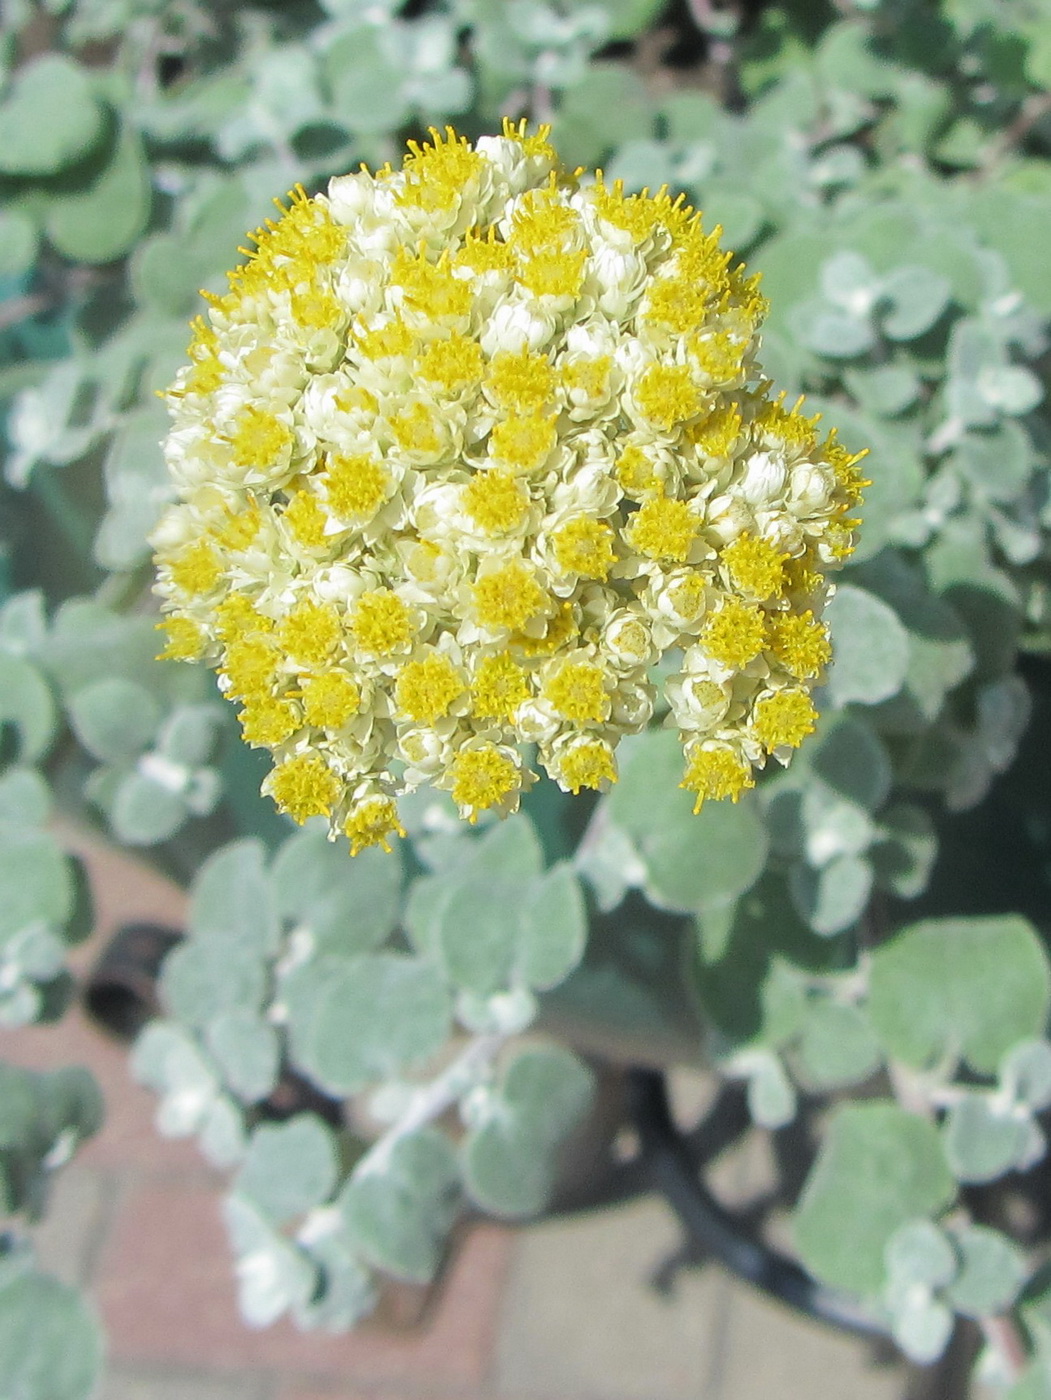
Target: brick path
(564, 1310)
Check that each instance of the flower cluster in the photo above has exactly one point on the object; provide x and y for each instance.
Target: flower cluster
(462, 453)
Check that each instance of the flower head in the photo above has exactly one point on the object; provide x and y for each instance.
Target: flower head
(464, 450)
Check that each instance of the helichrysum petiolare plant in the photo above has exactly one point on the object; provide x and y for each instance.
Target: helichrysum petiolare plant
(465, 450)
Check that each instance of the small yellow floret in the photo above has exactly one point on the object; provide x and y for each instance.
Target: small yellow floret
(585, 547)
(552, 274)
(483, 255)
(588, 378)
(455, 363)
(389, 342)
(667, 394)
(429, 288)
(509, 596)
(417, 431)
(715, 771)
(851, 480)
(536, 145)
(561, 629)
(541, 222)
(520, 381)
(784, 719)
(310, 632)
(688, 596)
(239, 529)
(267, 721)
(735, 634)
(482, 777)
(719, 355)
(800, 643)
(305, 518)
(577, 692)
(636, 473)
(756, 566)
(499, 687)
(260, 439)
(372, 822)
(237, 616)
(356, 486)
(495, 501)
(786, 428)
(304, 787)
(437, 171)
(525, 442)
(329, 700)
(634, 214)
(206, 375)
(676, 303)
(186, 641)
(663, 528)
(717, 435)
(588, 764)
(380, 623)
(427, 688)
(197, 570)
(316, 309)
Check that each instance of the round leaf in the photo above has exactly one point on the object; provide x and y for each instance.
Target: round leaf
(917, 298)
(50, 1341)
(838, 1046)
(232, 900)
(833, 897)
(144, 811)
(26, 703)
(992, 1270)
(289, 1167)
(49, 119)
(398, 1212)
(114, 718)
(247, 1050)
(692, 861)
(971, 987)
(509, 1160)
(553, 930)
(348, 905)
(870, 648)
(878, 1168)
(106, 220)
(376, 1014)
(920, 1253)
(983, 1140)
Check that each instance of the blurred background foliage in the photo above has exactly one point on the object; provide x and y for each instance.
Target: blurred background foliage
(869, 930)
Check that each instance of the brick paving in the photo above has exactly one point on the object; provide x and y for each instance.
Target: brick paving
(564, 1310)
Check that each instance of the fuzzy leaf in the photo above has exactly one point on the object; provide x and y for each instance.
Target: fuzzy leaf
(370, 1016)
(289, 1167)
(398, 1213)
(49, 118)
(972, 987)
(878, 1168)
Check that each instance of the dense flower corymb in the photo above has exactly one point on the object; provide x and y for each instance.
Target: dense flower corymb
(467, 448)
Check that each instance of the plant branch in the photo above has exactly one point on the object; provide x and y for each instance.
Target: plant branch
(1033, 110)
(430, 1101)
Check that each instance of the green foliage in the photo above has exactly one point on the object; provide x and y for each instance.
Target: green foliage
(888, 174)
(288, 1167)
(398, 1211)
(50, 1340)
(691, 861)
(878, 1168)
(43, 1117)
(508, 1154)
(960, 987)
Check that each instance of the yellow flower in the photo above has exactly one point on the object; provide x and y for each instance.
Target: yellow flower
(478, 506)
